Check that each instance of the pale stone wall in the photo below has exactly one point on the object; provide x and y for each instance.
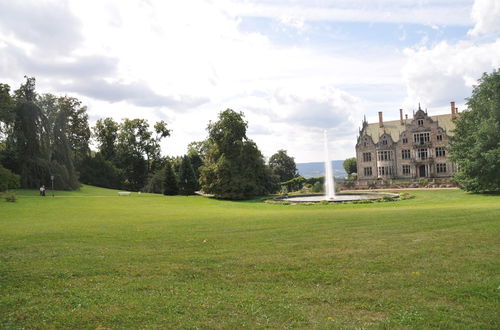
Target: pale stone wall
(420, 149)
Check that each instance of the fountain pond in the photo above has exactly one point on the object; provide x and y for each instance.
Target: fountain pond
(330, 195)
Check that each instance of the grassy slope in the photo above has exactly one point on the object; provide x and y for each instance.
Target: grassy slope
(152, 261)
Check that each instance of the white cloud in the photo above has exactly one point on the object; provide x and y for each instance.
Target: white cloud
(446, 72)
(413, 11)
(486, 16)
(294, 22)
(186, 61)
(293, 118)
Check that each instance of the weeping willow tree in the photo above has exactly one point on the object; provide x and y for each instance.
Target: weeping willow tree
(61, 161)
(30, 139)
(38, 138)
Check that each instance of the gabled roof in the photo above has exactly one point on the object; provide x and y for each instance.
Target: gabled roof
(394, 127)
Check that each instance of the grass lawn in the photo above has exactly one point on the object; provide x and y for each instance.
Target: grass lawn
(90, 259)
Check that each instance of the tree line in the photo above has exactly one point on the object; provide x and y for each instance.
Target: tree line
(44, 136)
(48, 136)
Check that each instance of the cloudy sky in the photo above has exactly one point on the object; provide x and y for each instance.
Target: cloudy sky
(293, 67)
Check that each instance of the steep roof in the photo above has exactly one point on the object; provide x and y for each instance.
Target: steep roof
(394, 127)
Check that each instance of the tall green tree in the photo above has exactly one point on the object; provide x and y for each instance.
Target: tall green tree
(187, 179)
(170, 186)
(133, 148)
(234, 167)
(98, 171)
(7, 114)
(475, 145)
(7, 117)
(62, 167)
(155, 161)
(350, 165)
(283, 166)
(30, 139)
(196, 153)
(78, 130)
(76, 127)
(105, 133)
(42, 136)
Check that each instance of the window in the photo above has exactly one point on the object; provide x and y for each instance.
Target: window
(405, 140)
(439, 137)
(440, 152)
(384, 155)
(384, 142)
(368, 171)
(441, 168)
(420, 122)
(405, 154)
(421, 138)
(406, 169)
(367, 156)
(384, 170)
(381, 170)
(422, 153)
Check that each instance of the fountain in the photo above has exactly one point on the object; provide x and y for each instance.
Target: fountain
(330, 195)
(329, 184)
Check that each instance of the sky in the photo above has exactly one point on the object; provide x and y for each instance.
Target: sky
(294, 68)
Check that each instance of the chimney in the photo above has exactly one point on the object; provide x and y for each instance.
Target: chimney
(453, 109)
(380, 120)
(406, 116)
(401, 116)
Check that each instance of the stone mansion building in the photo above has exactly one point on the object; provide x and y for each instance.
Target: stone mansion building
(406, 148)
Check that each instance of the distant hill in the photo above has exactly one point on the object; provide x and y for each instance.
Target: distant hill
(308, 170)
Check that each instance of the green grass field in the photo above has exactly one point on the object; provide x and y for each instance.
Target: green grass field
(91, 259)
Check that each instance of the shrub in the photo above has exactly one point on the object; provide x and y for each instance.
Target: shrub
(349, 183)
(295, 184)
(8, 180)
(423, 182)
(317, 187)
(154, 183)
(405, 196)
(10, 197)
(363, 201)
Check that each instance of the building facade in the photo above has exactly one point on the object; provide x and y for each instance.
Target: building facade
(406, 148)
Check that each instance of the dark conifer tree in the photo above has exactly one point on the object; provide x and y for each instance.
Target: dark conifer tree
(187, 178)
(170, 186)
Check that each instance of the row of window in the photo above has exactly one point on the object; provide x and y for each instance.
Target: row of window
(421, 138)
(418, 138)
(405, 170)
(384, 155)
(422, 153)
(441, 168)
(384, 170)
